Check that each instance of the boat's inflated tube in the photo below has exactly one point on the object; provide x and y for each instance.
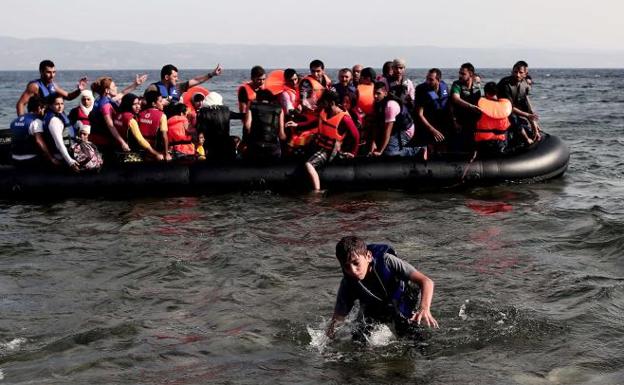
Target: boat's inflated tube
(547, 159)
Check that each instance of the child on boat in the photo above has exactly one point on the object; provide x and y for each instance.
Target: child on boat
(85, 152)
(382, 283)
(199, 147)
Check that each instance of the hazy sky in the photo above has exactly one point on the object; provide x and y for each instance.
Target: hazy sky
(460, 23)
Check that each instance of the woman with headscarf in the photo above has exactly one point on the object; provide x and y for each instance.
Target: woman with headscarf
(127, 126)
(79, 115)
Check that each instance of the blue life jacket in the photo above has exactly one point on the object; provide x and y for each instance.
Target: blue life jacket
(396, 299)
(394, 286)
(46, 130)
(98, 125)
(44, 90)
(440, 98)
(344, 90)
(22, 143)
(165, 92)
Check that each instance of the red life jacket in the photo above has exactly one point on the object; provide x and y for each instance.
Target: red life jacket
(149, 124)
(121, 122)
(494, 120)
(176, 134)
(327, 134)
(79, 116)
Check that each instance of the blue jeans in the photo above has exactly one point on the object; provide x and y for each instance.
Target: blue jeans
(395, 149)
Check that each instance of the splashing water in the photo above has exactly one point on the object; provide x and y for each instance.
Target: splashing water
(13, 344)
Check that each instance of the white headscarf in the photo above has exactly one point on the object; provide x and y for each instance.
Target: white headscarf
(81, 127)
(88, 94)
(213, 99)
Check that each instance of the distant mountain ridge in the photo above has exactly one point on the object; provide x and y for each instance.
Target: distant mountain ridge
(25, 54)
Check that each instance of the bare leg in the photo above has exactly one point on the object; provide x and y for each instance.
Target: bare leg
(314, 176)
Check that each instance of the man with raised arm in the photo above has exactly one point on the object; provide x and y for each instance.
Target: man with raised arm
(171, 90)
(46, 86)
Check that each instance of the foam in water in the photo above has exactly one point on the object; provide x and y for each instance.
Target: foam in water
(12, 345)
(1, 375)
(462, 311)
(381, 334)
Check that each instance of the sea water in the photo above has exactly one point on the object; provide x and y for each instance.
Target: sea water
(239, 287)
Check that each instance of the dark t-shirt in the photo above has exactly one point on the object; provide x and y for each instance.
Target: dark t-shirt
(516, 92)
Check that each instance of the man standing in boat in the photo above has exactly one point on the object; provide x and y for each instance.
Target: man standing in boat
(247, 91)
(171, 90)
(45, 86)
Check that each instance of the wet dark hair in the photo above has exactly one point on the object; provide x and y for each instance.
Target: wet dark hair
(385, 70)
(379, 85)
(348, 246)
(46, 64)
(468, 66)
(257, 71)
(317, 63)
(288, 73)
(126, 102)
(328, 98)
(437, 72)
(520, 64)
(177, 109)
(490, 88)
(198, 98)
(151, 97)
(34, 103)
(368, 72)
(51, 98)
(353, 99)
(167, 70)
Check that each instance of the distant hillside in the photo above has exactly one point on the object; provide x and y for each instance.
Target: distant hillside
(20, 54)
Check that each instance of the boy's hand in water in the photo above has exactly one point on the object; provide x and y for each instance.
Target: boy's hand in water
(424, 315)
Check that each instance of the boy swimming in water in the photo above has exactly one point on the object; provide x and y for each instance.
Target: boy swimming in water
(375, 276)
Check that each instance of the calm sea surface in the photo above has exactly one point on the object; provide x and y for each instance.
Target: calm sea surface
(238, 288)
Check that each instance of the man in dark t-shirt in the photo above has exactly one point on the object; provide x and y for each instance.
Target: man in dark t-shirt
(516, 89)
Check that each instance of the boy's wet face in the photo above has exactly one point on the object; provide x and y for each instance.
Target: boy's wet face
(357, 265)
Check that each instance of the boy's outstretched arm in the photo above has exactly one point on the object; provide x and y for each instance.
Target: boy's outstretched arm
(426, 296)
(331, 329)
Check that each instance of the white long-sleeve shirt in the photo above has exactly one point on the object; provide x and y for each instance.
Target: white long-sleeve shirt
(56, 127)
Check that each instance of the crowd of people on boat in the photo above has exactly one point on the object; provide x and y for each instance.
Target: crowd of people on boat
(284, 114)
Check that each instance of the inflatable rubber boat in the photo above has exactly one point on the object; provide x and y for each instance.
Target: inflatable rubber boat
(544, 160)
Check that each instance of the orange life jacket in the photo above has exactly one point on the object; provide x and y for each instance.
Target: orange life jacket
(251, 94)
(317, 87)
(494, 120)
(293, 96)
(327, 134)
(366, 100)
(178, 139)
